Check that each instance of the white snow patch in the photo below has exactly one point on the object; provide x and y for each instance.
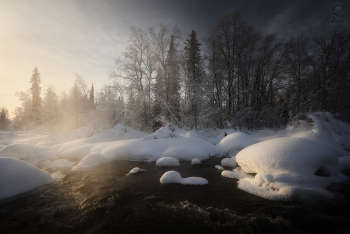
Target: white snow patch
(229, 162)
(195, 161)
(90, 160)
(17, 176)
(175, 177)
(286, 169)
(234, 141)
(167, 162)
(236, 173)
(219, 167)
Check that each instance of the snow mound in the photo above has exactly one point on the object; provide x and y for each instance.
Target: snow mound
(195, 161)
(322, 128)
(175, 177)
(234, 141)
(164, 132)
(90, 160)
(186, 152)
(229, 162)
(135, 170)
(17, 177)
(27, 151)
(167, 162)
(286, 169)
(219, 167)
(344, 163)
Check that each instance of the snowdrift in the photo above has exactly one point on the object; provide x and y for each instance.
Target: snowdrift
(286, 169)
(17, 177)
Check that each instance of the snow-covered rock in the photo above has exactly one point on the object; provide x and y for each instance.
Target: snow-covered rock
(233, 142)
(195, 161)
(175, 177)
(286, 169)
(17, 176)
(229, 162)
(167, 162)
(219, 167)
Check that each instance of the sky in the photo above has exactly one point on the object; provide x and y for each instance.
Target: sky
(67, 37)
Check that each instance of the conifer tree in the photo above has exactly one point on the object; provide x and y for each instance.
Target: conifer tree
(92, 97)
(193, 77)
(35, 90)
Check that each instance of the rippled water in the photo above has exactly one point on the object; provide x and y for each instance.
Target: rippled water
(105, 200)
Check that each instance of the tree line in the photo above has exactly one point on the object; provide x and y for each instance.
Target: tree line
(238, 77)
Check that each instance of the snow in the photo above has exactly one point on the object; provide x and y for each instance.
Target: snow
(344, 164)
(135, 170)
(219, 167)
(322, 128)
(234, 141)
(175, 177)
(229, 162)
(286, 169)
(167, 162)
(27, 151)
(57, 164)
(90, 160)
(184, 148)
(17, 176)
(195, 161)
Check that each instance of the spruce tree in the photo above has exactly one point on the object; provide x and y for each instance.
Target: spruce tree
(92, 97)
(35, 90)
(193, 77)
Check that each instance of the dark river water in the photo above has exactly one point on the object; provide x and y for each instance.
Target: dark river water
(105, 200)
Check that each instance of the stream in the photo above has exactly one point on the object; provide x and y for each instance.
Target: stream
(106, 200)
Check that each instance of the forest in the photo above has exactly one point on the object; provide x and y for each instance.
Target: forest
(234, 77)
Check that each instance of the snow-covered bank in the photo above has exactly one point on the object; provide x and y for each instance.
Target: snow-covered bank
(285, 161)
(17, 177)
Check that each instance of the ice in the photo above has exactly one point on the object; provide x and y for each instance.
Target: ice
(219, 167)
(195, 161)
(167, 162)
(175, 177)
(135, 170)
(234, 141)
(17, 176)
(344, 164)
(286, 169)
(229, 162)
